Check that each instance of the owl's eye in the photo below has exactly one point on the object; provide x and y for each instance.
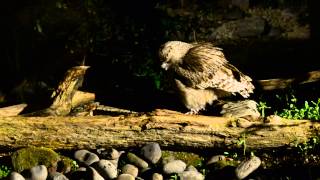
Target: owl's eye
(168, 51)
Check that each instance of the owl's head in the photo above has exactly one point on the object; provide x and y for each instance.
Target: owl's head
(172, 52)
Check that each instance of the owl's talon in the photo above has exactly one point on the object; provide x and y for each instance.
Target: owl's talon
(192, 112)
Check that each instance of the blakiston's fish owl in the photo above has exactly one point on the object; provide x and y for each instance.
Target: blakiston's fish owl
(202, 74)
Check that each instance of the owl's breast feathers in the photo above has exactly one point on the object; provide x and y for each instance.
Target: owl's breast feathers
(205, 66)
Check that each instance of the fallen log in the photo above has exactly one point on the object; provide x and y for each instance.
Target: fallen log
(13, 110)
(281, 83)
(168, 129)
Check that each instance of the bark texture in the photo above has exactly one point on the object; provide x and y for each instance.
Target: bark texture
(13, 110)
(67, 95)
(168, 129)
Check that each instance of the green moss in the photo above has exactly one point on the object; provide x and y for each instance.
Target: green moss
(27, 158)
(67, 164)
(189, 158)
(224, 163)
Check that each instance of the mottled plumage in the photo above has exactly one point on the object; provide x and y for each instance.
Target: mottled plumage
(202, 73)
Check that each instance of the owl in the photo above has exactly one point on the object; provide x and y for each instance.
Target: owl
(202, 74)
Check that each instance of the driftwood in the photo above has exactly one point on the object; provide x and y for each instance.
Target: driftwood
(64, 95)
(81, 97)
(272, 84)
(62, 103)
(167, 128)
(13, 110)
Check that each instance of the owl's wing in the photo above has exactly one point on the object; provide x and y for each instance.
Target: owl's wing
(205, 66)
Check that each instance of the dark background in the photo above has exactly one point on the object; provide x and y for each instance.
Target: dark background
(41, 39)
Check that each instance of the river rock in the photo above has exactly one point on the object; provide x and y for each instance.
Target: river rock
(175, 166)
(157, 176)
(134, 159)
(57, 176)
(39, 173)
(152, 152)
(106, 169)
(130, 169)
(191, 175)
(16, 176)
(215, 159)
(125, 177)
(248, 166)
(86, 157)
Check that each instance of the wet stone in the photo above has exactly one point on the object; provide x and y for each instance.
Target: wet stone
(215, 159)
(247, 167)
(16, 176)
(106, 169)
(57, 176)
(86, 157)
(130, 169)
(152, 152)
(191, 175)
(109, 153)
(134, 159)
(125, 177)
(39, 172)
(95, 174)
(191, 168)
(157, 176)
(175, 166)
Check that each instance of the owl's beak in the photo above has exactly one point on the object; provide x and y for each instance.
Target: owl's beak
(165, 66)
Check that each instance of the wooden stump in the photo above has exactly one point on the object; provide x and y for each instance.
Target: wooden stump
(63, 96)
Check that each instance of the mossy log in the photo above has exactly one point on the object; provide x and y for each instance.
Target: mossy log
(168, 129)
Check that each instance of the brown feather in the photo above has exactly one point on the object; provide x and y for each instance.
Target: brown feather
(202, 69)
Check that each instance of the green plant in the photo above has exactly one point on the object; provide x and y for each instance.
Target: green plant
(233, 155)
(305, 147)
(262, 106)
(4, 171)
(74, 166)
(308, 111)
(174, 177)
(242, 141)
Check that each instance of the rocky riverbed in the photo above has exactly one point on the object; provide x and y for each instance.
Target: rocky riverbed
(151, 162)
(148, 162)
